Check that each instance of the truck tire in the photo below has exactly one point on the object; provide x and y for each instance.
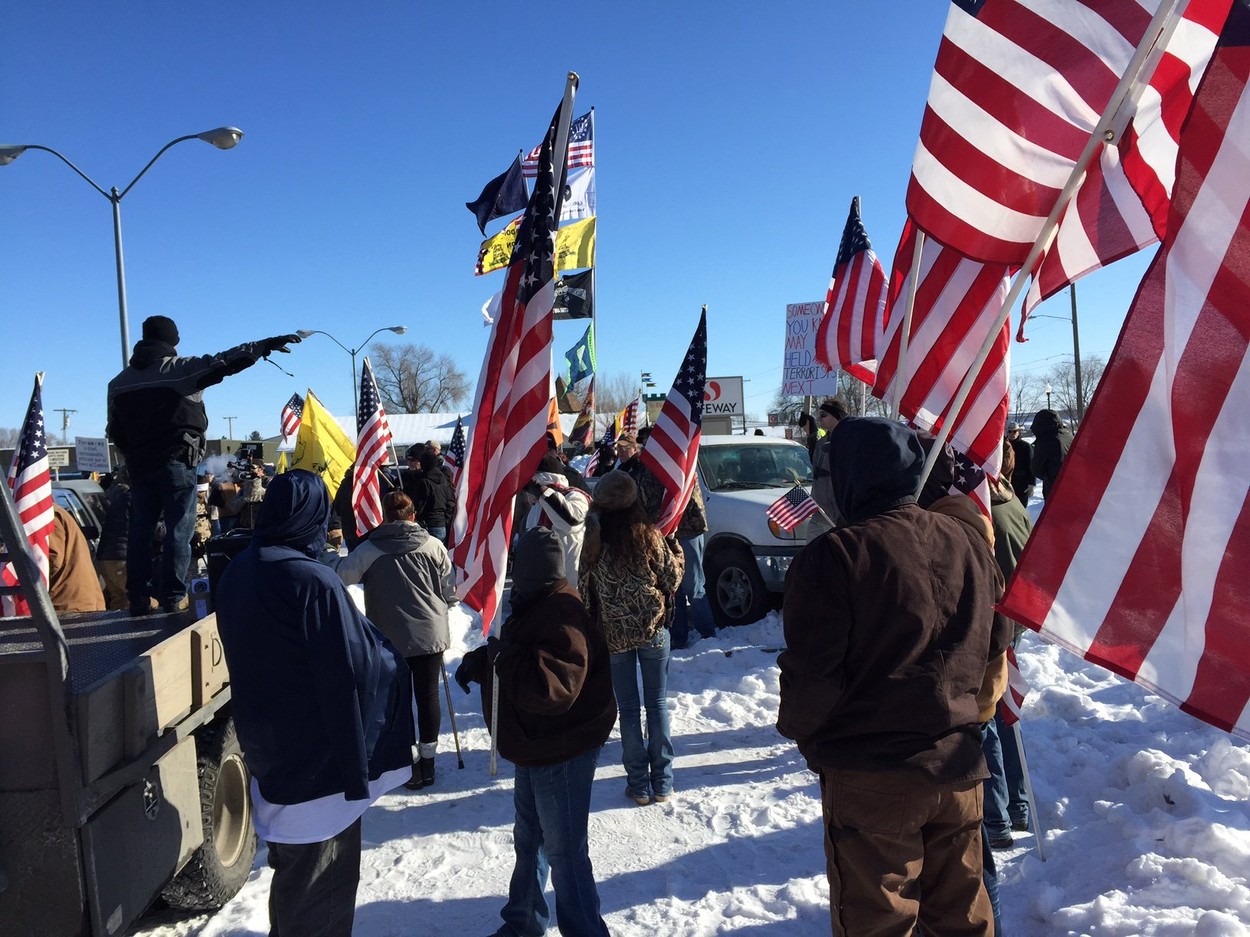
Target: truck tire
(219, 867)
(736, 589)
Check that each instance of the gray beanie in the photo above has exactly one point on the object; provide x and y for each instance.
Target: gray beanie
(615, 491)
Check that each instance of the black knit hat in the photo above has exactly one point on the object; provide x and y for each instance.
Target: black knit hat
(160, 329)
(615, 491)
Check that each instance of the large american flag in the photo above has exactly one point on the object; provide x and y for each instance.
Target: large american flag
(373, 435)
(1016, 93)
(957, 302)
(855, 306)
(792, 508)
(581, 150)
(1122, 204)
(31, 484)
(292, 416)
(509, 432)
(453, 455)
(1139, 561)
(672, 449)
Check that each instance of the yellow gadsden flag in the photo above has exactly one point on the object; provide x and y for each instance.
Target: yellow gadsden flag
(322, 446)
(281, 463)
(575, 247)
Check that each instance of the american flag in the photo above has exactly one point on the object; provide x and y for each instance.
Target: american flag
(792, 508)
(632, 417)
(1139, 562)
(292, 416)
(672, 449)
(971, 480)
(581, 150)
(373, 435)
(1122, 204)
(855, 306)
(1011, 702)
(957, 302)
(31, 484)
(453, 455)
(509, 433)
(1015, 96)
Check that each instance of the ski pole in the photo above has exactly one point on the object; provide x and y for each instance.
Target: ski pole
(451, 711)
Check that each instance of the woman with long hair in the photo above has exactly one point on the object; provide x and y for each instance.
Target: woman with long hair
(629, 574)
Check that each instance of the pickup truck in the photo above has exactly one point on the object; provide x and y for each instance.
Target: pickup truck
(121, 778)
(746, 555)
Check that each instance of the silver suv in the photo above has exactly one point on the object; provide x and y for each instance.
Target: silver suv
(747, 555)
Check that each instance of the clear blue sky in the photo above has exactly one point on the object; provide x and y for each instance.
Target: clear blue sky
(730, 139)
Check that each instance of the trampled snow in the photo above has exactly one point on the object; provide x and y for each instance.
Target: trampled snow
(1145, 817)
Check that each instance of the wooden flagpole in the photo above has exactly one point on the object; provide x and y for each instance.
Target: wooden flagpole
(900, 371)
(1106, 130)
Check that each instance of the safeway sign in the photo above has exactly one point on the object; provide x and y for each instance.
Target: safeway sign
(722, 396)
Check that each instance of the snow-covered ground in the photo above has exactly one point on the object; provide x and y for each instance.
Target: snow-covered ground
(1145, 817)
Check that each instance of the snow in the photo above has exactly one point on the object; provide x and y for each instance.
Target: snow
(1145, 816)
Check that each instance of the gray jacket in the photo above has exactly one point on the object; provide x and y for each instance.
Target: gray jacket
(408, 585)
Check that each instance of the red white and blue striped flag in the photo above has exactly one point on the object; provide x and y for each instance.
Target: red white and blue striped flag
(672, 449)
(292, 416)
(855, 306)
(792, 508)
(453, 455)
(31, 483)
(373, 435)
(509, 431)
(1139, 561)
(1011, 703)
(581, 152)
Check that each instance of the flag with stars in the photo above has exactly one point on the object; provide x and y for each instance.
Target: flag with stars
(509, 433)
(581, 151)
(373, 435)
(855, 305)
(453, 455)
(792, 508)
(292, 416)
(31, 484)
(672, 449)
(970, 480)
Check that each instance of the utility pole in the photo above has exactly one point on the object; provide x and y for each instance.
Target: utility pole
(230, 420)
(65, 412)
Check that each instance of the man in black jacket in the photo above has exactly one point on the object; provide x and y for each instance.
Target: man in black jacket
(889, 624)
(156, 419)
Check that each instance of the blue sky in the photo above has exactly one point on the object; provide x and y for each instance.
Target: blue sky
(730, 139)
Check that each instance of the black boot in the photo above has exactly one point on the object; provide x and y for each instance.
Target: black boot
(426, 767)
(415, 783)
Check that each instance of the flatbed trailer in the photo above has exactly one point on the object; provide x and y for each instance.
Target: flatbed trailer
(121, 777)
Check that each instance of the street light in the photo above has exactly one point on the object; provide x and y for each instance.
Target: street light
(1047, 396)
(224, 138)
(397, 329)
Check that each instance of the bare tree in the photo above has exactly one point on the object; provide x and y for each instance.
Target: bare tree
(1062, 379)
(415, 379)
(8, 436)
(612, 393)
(1025, 394)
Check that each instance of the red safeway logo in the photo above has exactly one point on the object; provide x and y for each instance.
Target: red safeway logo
(711, 391)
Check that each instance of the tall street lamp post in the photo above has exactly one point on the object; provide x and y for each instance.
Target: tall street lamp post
(397, 329)
(224, 138)
(1047, 396)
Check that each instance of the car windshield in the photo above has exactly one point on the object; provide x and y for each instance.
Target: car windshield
(733, 468)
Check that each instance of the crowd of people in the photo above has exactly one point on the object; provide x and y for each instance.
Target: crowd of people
(894, 662)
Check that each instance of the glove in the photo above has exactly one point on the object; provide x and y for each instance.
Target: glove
(279, 343)
(470, 669)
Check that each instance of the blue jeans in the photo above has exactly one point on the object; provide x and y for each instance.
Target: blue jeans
(438, 533)
(692, 589)
(1013, 772)
(649, 764)
(997, 822)
(169, 488)
(550, 836)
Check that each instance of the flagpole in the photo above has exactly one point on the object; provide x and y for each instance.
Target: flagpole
(1106, 130)
(1034, 818)
(900, 371)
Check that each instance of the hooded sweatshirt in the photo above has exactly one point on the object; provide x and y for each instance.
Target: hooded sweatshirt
(1052, 440)
(322, 703)
(408, 586)
(887, 621)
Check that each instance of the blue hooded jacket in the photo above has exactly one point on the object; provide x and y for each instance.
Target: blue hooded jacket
(322, 703)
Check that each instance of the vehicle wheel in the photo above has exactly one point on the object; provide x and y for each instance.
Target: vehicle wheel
(736, 589)
(217, 870)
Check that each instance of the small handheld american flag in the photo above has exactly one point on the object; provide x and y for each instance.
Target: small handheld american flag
(792, 508)
(292, 416)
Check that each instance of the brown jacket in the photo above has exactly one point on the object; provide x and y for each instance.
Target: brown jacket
(72, 580)
(555, 685)
(888, 623)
